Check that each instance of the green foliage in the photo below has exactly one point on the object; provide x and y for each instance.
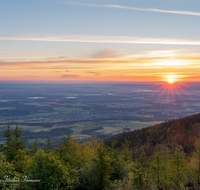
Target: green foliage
(47, 146)
(93, 166)
(35, 148)
(13, 142)
(21, 162)
(138, 178)
(103, 168)
(49, 171)
(127, 155)
(177, 169)
(7, 175)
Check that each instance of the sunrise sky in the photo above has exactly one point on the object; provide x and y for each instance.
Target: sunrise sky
(93, 40)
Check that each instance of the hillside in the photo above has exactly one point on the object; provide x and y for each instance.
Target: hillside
(172, 133)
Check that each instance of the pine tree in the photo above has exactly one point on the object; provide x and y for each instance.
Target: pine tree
(102, 168)
(49, 171)
(195, 162)
(177, 169)
(17, 143)
(47, 146)
(6, 148)
(125, 151)
(34, 148)
(13, 142)
(166, 157)
(157, 168)
(138, 175)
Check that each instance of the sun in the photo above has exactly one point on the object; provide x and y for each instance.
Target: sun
(170, 80)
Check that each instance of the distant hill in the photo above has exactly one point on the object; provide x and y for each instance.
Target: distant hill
(171, 134)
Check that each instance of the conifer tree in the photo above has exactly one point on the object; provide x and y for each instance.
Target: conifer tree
(166, 157)
(138, 175)
(102, 168)
(144, 161)
(49, 171)
(157, 168)
(47, 145)
(125, 151)
(195, 162)
(177, 169)
(6, 148)
(18, 143)
(35, 147)
(13, 142)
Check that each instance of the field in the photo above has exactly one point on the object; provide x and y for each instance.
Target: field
(84, 110)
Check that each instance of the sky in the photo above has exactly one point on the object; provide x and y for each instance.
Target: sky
(93, 40)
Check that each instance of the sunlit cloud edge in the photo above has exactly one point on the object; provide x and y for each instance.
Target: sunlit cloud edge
(190, 13)
(97, 39)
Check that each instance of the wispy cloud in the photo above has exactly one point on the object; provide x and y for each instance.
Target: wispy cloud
(109, 53)
(98, 39)
(191, 13)
(70, 76)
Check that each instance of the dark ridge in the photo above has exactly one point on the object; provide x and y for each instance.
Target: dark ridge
(179, 132)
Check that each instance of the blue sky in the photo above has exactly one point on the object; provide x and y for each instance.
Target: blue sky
(33, 30)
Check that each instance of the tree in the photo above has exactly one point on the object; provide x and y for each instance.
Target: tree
(6, 148)
(35, 147)
(125, 151)
(144, 161)
(195, 162)
(13, 142)
(166, 157)
(7, 172)
(21, 162)
(17, 143)
(102, 168)
(157, 168)
(47, 145)
(177, 169)
(49, 171)
(138, 175)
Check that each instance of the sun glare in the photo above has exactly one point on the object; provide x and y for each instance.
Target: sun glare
(170, 80)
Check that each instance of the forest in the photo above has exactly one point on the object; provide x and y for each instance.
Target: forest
(131, 160)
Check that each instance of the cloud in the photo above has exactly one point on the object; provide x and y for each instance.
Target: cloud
(190, 13)
(60, 57)
(102, 63)
(29, 76)
(109, 53)
(70, 76)
(95, 73)
(99, 39)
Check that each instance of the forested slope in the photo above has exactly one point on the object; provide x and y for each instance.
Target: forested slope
(172, 133)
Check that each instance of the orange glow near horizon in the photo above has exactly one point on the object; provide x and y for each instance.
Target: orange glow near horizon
(124, 69)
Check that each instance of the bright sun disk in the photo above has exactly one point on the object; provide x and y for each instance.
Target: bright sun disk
(170, 80)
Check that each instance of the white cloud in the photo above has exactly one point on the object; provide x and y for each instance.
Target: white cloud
(191, 13)
(99, 39)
